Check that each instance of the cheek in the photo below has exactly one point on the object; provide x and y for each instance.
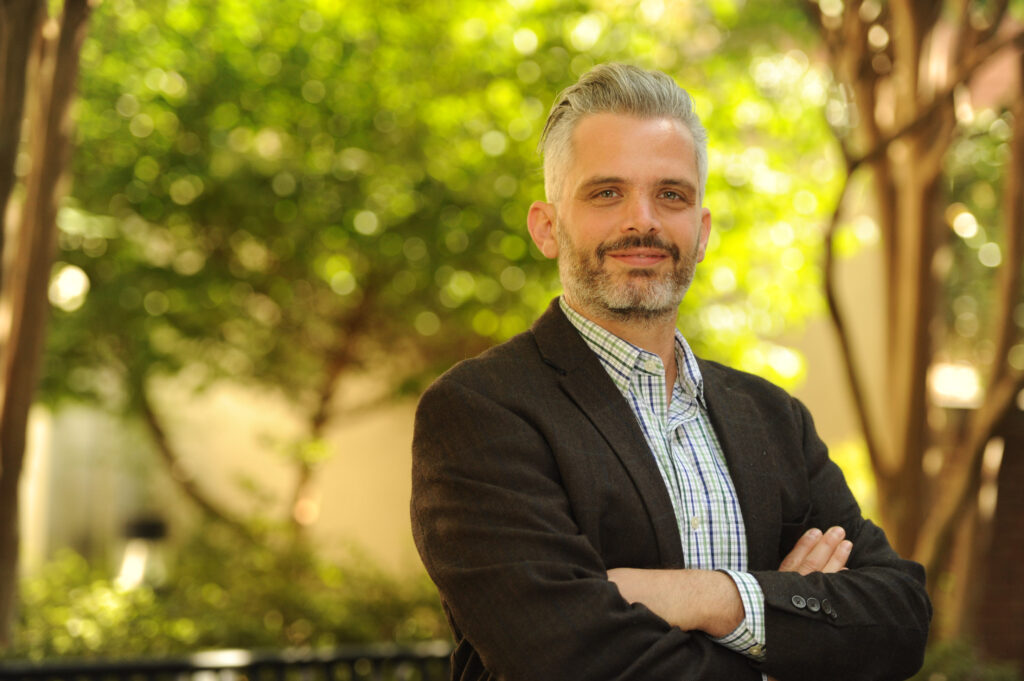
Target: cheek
(592, 227)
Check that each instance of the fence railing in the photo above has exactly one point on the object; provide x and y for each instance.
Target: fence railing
(379, 662)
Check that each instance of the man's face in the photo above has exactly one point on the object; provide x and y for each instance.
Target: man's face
(628, 230)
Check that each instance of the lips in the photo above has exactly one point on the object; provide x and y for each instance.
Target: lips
(640, 257)
(639, 251)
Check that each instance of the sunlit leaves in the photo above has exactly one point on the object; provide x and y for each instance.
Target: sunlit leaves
(266, 171)
(968, 260)
(220, 592)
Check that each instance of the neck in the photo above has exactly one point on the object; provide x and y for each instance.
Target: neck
(655, 334)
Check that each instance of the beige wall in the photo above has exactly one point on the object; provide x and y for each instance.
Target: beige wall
(88, 472)
(825, 391)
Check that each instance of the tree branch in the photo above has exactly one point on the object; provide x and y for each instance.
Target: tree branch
(19, 22)
(926, 112)
(339, 360)
(24, 289)
(994, 22)
(965, 36)
(812, 11)
(348, 331)
(56, 69)
(185, 481)
(939, 527)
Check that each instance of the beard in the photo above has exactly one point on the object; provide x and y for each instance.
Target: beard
(636, 295)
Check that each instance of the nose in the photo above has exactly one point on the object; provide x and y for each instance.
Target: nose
(641, 216)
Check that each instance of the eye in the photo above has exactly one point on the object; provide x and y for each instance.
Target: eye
(607, 194)
(673, 195)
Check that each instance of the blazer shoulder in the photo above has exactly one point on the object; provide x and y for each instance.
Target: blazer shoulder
(725, 387)
(721, 377)
(518, 358)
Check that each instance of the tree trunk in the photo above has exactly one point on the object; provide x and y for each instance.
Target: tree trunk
(54, 69)
(902, 81)
(1001, 598)
(180, 474)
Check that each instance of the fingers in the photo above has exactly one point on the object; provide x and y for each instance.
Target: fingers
(837, 561)
(803, 547)
(819, 556)
(817, 552)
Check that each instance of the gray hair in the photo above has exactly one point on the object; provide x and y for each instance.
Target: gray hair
(621, 89)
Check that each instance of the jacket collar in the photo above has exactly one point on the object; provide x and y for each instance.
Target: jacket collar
(588, 385)
(734, 416)
(737, 421)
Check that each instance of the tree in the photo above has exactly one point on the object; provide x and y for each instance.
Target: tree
(906, 73)
(282, 194)
(39, 61)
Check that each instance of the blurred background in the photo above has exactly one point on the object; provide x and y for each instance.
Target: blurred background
(239, 238)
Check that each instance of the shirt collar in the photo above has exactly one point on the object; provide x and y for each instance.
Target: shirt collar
(622, 359)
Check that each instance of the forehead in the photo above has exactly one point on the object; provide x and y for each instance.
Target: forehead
(635, 148)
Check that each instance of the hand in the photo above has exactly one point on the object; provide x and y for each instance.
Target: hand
(817, 552)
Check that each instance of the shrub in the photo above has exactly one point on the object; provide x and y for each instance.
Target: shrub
(222, 591)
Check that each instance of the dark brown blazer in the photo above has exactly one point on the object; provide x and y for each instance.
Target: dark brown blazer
(532, 478)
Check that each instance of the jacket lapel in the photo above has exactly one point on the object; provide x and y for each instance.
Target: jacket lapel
(588, 385)
(737, 423)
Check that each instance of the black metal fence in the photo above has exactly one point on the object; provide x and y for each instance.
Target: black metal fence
(380, 662)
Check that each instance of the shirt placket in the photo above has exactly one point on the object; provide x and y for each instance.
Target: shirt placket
(649, 385)
(694, 523)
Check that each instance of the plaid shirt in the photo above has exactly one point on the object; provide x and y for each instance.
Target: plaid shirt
(691, 462)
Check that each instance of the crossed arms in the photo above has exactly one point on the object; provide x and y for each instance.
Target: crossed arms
(553, 564)
(707, 600)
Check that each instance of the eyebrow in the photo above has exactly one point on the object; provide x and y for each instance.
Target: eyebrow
(682, 184)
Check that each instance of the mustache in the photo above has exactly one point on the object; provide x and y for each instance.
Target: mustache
(636, 241)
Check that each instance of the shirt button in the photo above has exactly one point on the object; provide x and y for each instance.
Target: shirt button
(652, 365)
(756, 650)
(695, 523)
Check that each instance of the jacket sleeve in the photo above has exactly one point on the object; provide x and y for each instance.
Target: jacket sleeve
(869, 622)
(521, 583)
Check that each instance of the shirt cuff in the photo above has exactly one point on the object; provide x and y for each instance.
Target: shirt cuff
(748, 638)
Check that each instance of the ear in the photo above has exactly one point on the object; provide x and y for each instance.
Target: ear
(705, 232)
(541, 223)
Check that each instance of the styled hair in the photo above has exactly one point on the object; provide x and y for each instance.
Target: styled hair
(621, 89)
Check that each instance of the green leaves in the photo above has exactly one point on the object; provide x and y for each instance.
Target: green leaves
(222, 592)
(282, 184)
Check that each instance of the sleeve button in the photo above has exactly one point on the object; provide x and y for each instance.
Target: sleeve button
(813, 604)
(799, 601)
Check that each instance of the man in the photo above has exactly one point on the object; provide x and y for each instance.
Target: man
(594, 502)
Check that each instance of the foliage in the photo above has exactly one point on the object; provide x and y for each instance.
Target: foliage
(222, 592)
(958, 661)
(276, 191)
(974, 172)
